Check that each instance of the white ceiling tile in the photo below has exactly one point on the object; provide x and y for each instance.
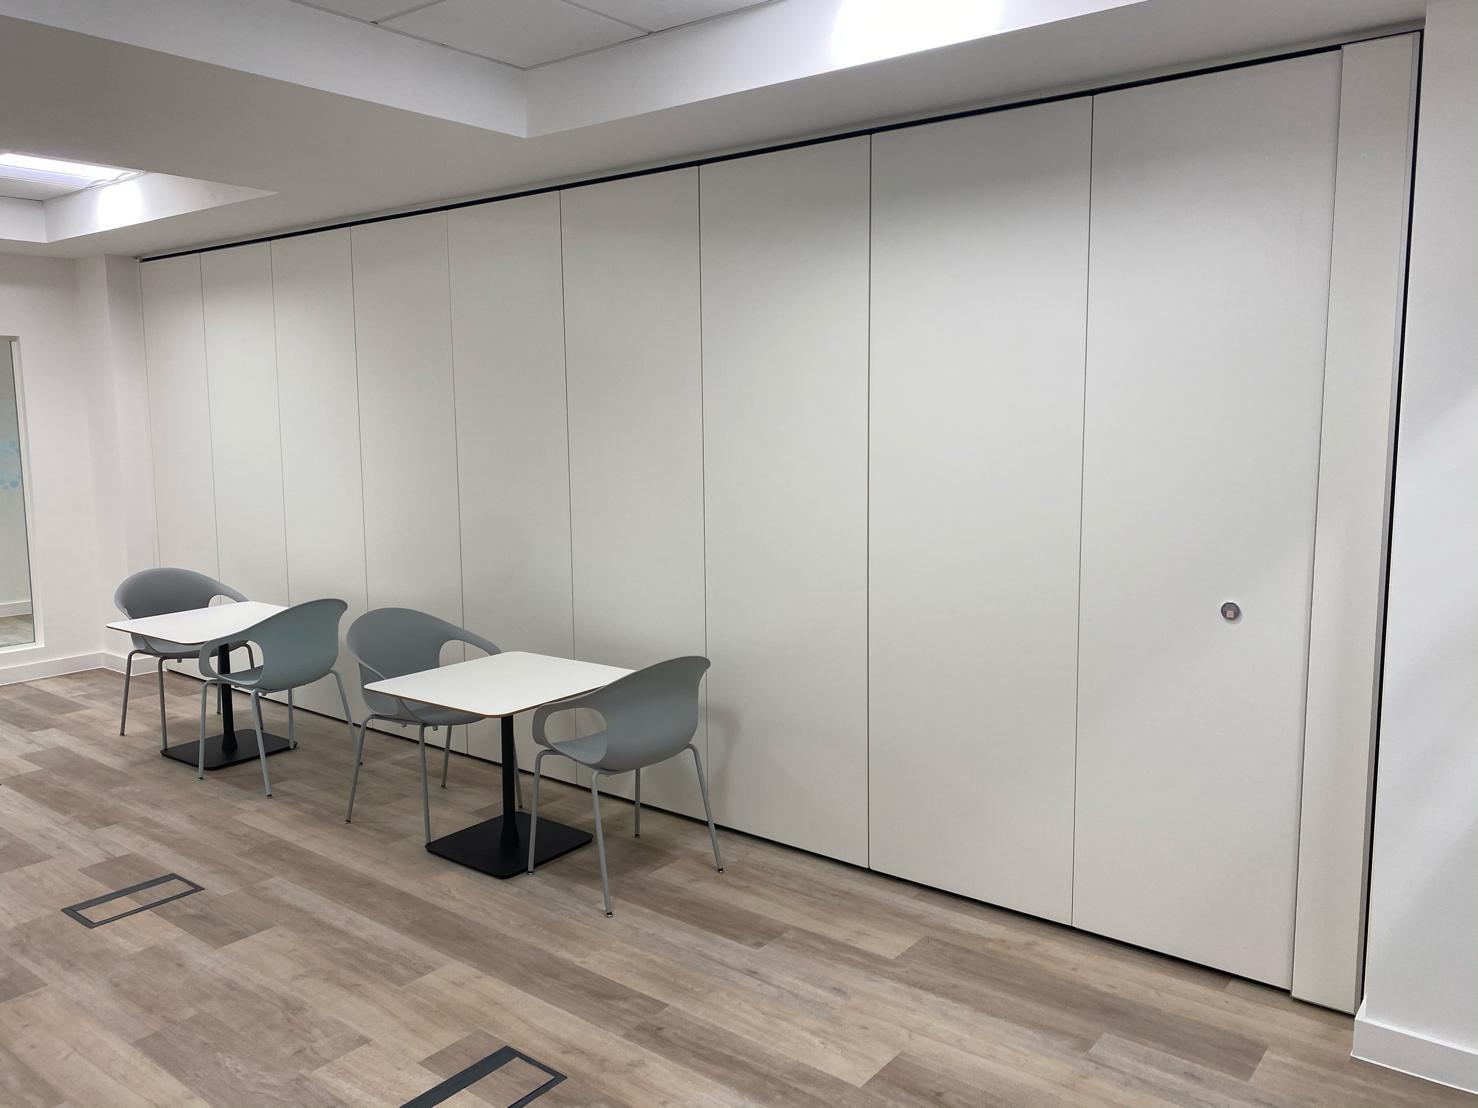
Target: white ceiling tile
(363, 9)
(520, 32)
(658, 15)
(31, 190)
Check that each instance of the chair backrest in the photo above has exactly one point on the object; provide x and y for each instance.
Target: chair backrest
(154, 592)
(391, 642)
(651, 714)
(299, 645)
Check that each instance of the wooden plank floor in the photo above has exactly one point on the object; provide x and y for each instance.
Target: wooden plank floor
(329, 964)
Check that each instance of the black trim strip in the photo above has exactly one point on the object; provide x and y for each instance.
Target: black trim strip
(76, 910)
(795, 144)
(477, 1071)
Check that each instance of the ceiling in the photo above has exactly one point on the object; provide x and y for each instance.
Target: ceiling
(270, 148)
(526, 33)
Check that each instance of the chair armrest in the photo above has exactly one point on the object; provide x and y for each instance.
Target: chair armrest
(554, 708)
(471, 639)
(405, 708)
(207, 659)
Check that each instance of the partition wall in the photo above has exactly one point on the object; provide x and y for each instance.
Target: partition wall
(1024, 474)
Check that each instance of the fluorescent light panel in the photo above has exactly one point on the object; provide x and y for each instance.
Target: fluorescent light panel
(59, 173)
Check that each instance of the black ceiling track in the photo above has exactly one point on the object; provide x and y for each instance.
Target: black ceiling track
(796, 144)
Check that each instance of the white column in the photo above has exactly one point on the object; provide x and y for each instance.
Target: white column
(1420, 1012)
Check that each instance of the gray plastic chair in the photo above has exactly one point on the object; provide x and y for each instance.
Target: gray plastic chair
(650, 715)
(300, 645)
(156, 592)
(391, 642)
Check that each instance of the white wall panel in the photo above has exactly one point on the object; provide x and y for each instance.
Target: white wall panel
(979, 272)
(402, 323)
(179, 413)
(633, 357)
(1212, 207)
(784, 270)
(241, 365)
(513, 449)
(1421, 976)
(313, 290)
(1361, 359)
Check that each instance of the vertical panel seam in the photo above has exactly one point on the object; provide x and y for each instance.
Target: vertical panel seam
(1072, 882)
(1413, 139)
(287, 581)
(359, 423)
(451, 338)
(451, 327)
(210, 430)
(702, 449)
(1308, 638)
(148, 403)
(564, 336)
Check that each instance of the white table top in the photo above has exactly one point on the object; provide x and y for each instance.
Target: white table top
(199, 625)
(499, 684)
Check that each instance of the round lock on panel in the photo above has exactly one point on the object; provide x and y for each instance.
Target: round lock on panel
(1231, 611)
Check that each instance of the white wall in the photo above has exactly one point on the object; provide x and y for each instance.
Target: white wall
(688, 520)
(110, 327)
(1421, 1001)
(77, 324)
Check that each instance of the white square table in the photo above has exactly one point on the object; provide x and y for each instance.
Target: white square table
(195, 627)
(501, 685)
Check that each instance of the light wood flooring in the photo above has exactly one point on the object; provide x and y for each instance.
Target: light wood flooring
(16, 630)
(330, 964)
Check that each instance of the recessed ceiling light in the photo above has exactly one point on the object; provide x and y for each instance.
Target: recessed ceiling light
(59, 173)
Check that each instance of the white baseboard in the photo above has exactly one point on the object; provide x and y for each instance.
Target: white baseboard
(1431, 1059)
(15, 608)
(55, 667)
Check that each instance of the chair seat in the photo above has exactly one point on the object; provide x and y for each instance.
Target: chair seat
(169, 655)
(588, 750)
(246, 677)
(170, 652)
(437, 717)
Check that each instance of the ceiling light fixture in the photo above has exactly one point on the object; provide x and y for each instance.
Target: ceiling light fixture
(58, 173)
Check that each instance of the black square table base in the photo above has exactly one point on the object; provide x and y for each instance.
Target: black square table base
(480, 847)
(219, 755)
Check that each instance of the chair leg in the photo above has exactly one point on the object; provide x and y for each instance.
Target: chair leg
(256, 715)
(344, 700)
(163, 718)
(425, 792)
(718, 861)
(127, 677)
(291, 742)
(200, 746)
(446, 755)
(357, 749)
(534, 815)
(600, 841)
(636, 834)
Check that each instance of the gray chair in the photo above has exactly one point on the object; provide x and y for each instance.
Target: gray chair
(156, 592)
(300, 645)
(391, 642)
(649, 716)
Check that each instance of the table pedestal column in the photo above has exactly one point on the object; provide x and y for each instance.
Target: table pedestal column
(228, 748)
(499, 847)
